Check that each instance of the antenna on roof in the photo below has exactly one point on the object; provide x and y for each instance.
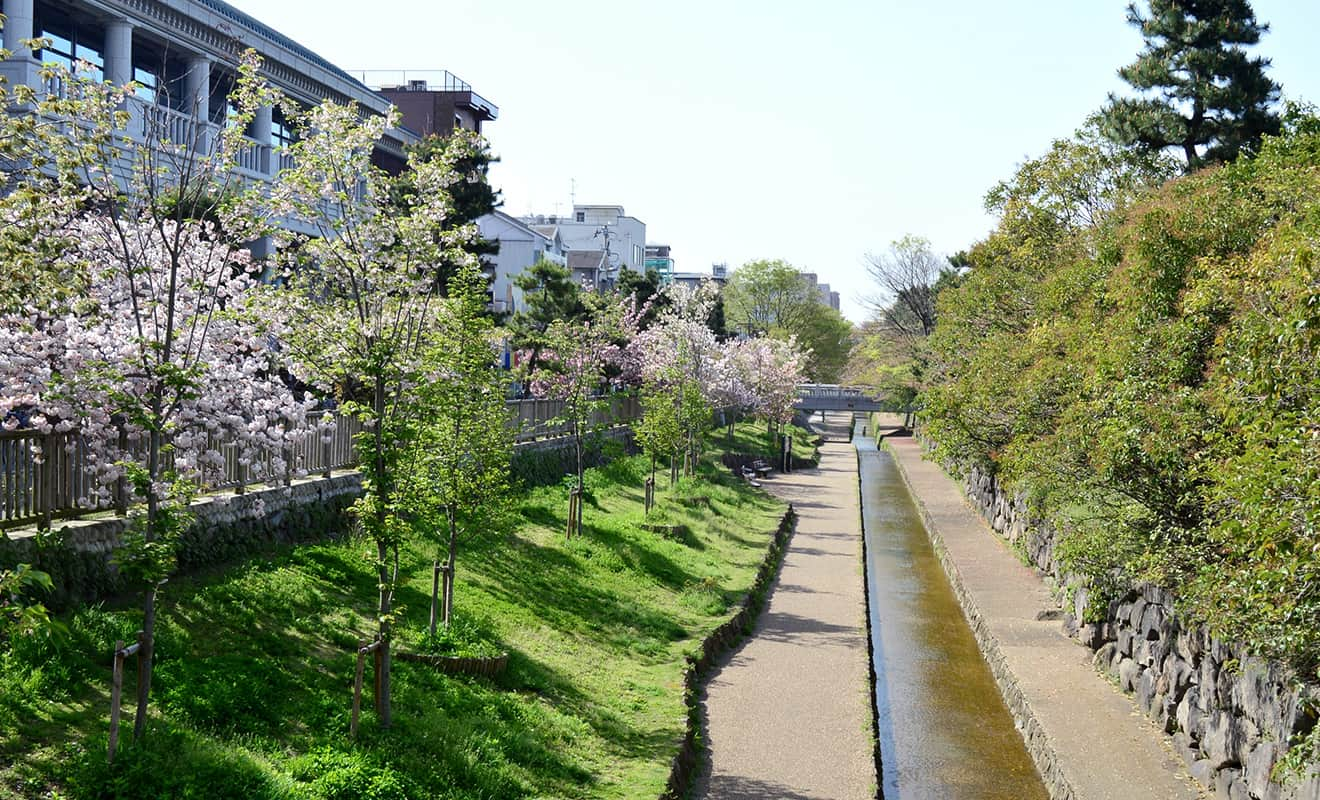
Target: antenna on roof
(572, 192)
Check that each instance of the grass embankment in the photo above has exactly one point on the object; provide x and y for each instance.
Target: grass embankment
(752, 438)
(255, 663)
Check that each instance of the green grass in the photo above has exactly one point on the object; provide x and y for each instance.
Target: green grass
(255, 663)
(751, 437)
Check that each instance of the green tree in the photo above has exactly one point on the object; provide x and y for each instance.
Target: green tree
(660, 431)
(464, 444)
(827, 336)
(549, 294)
(773, 298)
(761, 295)
(468, 154)
(1211, 99)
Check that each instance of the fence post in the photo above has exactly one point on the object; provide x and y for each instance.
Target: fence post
(288, 464)
(47, 478)
(121, 483)
(327, 454)
(240, 472)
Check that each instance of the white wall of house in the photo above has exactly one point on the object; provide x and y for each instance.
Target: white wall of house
(627, 235)
(520, 248)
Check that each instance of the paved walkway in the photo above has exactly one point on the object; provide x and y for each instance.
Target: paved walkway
(1088, 739)
(787, 714)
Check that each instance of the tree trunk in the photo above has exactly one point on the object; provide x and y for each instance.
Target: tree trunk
(147, 652)
(449, 569)
(435, 594)
(382, 554)
(577, 442)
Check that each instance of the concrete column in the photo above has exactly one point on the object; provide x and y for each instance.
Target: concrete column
(197, 101)
(261, 131)
(20, 68)
(18, 26)
(119, 52)
(197, 88)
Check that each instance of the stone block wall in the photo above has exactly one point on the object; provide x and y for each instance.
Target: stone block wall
(1231, 715)
(78, 554)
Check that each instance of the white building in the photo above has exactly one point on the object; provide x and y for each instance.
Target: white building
(620, 240)
(521, 246)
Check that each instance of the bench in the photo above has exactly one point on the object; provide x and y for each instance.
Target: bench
(749, 475)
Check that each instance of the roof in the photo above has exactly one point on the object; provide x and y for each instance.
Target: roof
(586, 259)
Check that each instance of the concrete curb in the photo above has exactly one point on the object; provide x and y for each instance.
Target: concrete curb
(871, 677)
(687, 761)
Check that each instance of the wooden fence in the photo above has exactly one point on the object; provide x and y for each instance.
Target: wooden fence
(44, 477)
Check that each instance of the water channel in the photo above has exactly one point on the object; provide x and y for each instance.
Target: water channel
(944, 729)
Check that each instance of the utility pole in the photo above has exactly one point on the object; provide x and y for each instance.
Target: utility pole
(604, 232)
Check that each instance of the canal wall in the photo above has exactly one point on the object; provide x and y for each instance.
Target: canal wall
(1230, 715)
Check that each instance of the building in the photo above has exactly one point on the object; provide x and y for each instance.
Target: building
(826, 297)
(520, 246)
(590, 267)
(432, 102)
(605, 238)
(659, 259)
(719, 274)
(183, 54)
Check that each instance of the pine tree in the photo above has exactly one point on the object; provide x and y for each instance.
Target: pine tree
(1210, 99)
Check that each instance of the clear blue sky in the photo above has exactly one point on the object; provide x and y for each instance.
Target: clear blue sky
(812, 132)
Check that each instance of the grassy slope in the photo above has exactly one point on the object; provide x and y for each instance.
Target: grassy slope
(751, 437)
(255, 665)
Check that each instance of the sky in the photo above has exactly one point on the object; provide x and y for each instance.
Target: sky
(736, 130)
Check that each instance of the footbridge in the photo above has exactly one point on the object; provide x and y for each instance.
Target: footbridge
(832, 397)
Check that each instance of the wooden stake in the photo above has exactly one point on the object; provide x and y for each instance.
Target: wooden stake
(116, 689)
(357, 689)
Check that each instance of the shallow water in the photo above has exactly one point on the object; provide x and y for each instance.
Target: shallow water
(944, 729)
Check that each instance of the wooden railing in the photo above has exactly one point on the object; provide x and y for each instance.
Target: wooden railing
(44, 477)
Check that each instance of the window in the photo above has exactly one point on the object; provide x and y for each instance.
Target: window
(580, 216)
(281, 134)
(70, 44)
(148, 82)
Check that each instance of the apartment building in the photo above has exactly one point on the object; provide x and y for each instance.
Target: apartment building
(432, 101)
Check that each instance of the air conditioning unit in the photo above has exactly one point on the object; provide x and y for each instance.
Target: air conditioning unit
(416, 86)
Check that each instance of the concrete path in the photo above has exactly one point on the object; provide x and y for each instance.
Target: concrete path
(788, 713)
(1089, 741)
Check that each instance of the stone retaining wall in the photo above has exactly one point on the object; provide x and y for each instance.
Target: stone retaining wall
(227, 527)
(78, 553)
(1230, 714)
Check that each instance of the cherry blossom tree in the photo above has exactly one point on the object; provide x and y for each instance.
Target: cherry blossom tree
(577, 359)
(358, 310)
(770, 369)
(681, 361)
(153, 363)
